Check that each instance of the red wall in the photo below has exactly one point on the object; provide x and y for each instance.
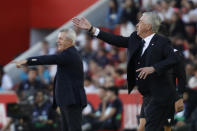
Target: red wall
(19, 16)
(54, 13)
(14, 28)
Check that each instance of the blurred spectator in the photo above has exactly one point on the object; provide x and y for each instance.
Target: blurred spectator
(189, 11)
(126, 27)
(81, 39)
(89, 86)
(166, 10)
(43, 116)
(113, 14)
(23, 75)
(148, 4)
(129, 11)
(19, 117)
(52, 71)
(87, 51)
(119, 80)
(101, 58)
(193, 120)
(111, 113)
(190, 29)
(49, 92)
(112, 56)
(122, 57)
(193, 80)
(189, 70)
(109, 81)
(191, 96)
(102, 93)
(43, 74)
(96, 73)
(5, 80)
(28, 87)
(92, 117)
(88, 110)
(177, 26)
(87, 114)
(45, 49)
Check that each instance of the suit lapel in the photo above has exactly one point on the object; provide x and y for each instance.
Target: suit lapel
(135, 43)
(148, 51)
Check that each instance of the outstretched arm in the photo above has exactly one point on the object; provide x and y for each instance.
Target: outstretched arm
(58, 59)
(46, 60)
(110, 38)
(180, 74)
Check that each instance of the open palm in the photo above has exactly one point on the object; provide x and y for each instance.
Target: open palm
(82, 23)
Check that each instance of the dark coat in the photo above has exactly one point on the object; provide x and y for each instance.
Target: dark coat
(69, 79)
(159, 54)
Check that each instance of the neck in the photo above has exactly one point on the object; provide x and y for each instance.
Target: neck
(146, 34)
(67, 46)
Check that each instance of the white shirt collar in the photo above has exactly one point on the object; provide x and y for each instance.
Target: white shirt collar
(148, 39)
(147, 42)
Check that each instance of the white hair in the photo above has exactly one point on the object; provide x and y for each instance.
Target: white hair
(153, 19)
(71, 34)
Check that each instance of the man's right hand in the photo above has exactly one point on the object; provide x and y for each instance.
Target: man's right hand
(20, 63)
(81, 23)
(179, 105)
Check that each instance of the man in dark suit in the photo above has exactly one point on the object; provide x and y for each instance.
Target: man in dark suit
(178, 73)
(69, 92)
(150, 58)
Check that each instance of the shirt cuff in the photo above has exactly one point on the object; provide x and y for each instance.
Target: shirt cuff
(96, 32)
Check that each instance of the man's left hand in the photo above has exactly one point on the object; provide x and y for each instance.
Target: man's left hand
(145, 71)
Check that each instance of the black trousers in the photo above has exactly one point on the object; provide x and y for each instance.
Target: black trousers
(156, 114)
(71, 118)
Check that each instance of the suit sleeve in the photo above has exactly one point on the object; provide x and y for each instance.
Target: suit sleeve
(180, 74)
(170, 59)
(57, 59)
(112, 39)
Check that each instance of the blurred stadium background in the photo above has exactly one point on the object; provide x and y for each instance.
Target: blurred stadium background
(30, 27)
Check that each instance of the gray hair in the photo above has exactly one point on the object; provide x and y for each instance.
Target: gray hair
(153, 19)
(70, 33)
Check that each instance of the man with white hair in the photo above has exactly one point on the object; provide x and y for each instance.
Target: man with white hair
(150, 58)
(69, 93)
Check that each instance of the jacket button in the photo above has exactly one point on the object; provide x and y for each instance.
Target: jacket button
(138, 63)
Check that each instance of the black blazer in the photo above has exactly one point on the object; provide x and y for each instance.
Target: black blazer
(160, 55)
(179, 72)
(69, 79)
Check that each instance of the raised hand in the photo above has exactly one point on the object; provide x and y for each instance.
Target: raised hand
(81, 23)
